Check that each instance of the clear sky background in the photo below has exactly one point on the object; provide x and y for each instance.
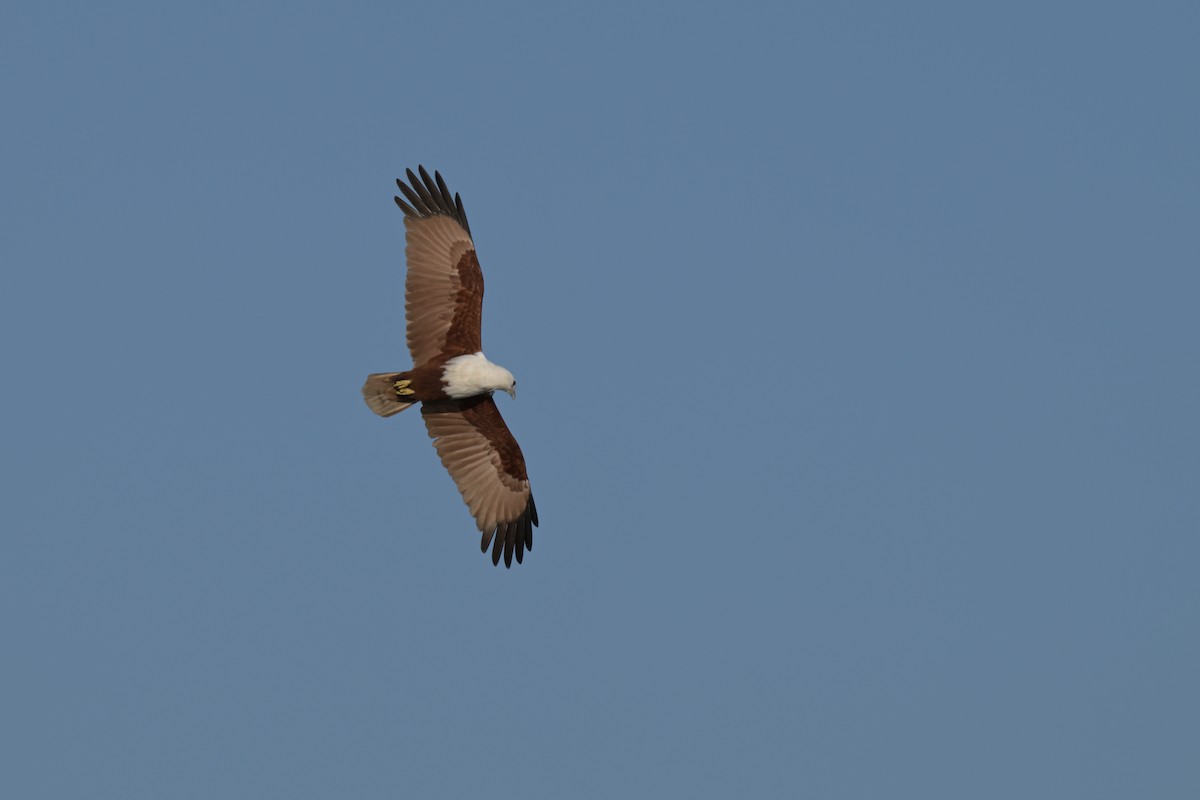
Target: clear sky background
(858, 353)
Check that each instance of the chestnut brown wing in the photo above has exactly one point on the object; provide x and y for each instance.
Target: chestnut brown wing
(486, 463)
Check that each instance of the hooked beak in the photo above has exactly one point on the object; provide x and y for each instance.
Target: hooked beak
(512, 392)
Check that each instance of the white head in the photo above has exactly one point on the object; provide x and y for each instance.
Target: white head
(471, 375)
(505, 382)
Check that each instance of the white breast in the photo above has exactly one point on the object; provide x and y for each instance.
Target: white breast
(471, 375)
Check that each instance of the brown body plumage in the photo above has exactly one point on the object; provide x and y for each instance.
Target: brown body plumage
(444, 310)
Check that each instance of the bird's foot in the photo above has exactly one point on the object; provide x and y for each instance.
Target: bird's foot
(402, 388)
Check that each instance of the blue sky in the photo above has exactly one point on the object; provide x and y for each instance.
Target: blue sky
(857, 349)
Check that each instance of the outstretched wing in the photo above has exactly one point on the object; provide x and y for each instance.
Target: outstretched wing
(443, 292)
(486, 463)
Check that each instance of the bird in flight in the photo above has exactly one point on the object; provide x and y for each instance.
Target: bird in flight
(451, 378)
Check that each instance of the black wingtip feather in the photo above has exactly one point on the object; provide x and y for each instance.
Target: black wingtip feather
(415, 199)
(462, 213)
(428, 181)
(430, 197)
(419, 186)
(497, 546)
(512, 538)
(447, 198)
(509, 543)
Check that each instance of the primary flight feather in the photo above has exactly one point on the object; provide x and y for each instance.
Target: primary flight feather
(451, 378)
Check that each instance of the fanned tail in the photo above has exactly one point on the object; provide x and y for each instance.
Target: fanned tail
(380, 393)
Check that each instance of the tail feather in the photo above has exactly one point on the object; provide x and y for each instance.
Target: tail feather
(381, 395)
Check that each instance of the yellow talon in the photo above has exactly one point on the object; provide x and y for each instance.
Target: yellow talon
(401, 384)
(402, 388)
(405, 391)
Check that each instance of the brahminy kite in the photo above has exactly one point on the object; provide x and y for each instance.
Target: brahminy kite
(451, 378)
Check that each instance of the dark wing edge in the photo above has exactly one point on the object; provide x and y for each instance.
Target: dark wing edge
(512, 538)
(429, 197)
